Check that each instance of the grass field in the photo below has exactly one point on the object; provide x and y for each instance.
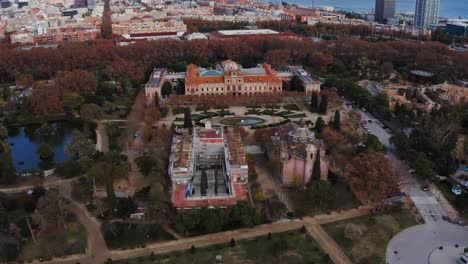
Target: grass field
(380, 229)
(289, 247)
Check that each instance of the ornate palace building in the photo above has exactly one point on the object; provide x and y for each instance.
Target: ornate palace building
(230, 78)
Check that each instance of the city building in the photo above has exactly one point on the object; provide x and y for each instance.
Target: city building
(148, 25)
(230, 78)
(384, 9)
(426, 13)
(297, 152)
(208, 168)
(459, 28)
(69, 33)
(310, 83)
(229, 34)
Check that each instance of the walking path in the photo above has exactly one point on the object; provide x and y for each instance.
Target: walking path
(98, 252)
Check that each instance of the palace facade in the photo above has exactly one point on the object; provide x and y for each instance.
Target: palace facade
(230, 78)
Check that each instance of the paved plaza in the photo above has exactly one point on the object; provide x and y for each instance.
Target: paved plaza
(417, 243)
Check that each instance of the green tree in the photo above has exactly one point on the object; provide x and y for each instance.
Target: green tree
(7, 170)
(373, 143)
(80, 145)
(317, 171)
(296, 84)
(166, 89)
(318, 195)
(90, 112)
(71, 102)
(319, 125)
(145, 164)
(314, 102)
(323, 104)
(337, 120)
(157, 193)
(188, 118)
(45, 151)
(180, 87)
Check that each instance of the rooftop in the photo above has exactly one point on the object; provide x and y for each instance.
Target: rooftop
(247, 32)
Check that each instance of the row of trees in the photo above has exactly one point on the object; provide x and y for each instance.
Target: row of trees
(430, 147)
(315, 107)
(214, 220)
(133, 62)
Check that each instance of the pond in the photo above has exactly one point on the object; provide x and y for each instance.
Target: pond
(242, 121)
(24, 141)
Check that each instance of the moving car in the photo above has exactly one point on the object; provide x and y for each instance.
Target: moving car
(425, 188)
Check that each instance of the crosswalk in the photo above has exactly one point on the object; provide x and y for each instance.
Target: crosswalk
(424, 200)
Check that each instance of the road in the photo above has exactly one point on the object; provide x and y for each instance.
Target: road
(431, 207)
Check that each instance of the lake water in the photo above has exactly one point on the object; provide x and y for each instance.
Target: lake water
(25, 140)
(448, 8)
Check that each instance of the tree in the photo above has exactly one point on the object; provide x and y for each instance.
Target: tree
(45, 151)
(71, 102)
(80, 145)
(373, 143)
(319, 125)
(187, 118)
(314, 102)
(296, 84)
(337, 120)
(232, 243)
(53, 208)
(317, 171)
(323, 104)
(45, 99)
(372, 178)
(157, 193)
(318, 195)
(166, 89)
(90, 112)
(145, 164)
(7, 170)
(76, 81)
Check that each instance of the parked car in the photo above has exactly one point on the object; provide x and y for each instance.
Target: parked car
(456, 189)
(370, 121)
(425, 188)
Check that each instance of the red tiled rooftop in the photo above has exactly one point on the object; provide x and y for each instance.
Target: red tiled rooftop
(179, 200)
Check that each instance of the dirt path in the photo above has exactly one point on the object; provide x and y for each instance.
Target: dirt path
(327, 243)
(102, 141)
(99, 253)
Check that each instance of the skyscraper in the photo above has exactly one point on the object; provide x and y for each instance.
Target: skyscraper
(384, 9)
(426, 13)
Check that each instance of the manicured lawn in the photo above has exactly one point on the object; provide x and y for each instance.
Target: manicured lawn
(379, 230)
(57, 243)
(289, 247)
(120, 235)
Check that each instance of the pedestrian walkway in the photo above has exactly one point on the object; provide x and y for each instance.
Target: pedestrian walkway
(425, 200)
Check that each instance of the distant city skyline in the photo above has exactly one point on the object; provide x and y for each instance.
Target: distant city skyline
(448, 8)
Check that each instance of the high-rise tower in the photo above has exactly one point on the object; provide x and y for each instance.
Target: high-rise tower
(384, 9)
(426, 13)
